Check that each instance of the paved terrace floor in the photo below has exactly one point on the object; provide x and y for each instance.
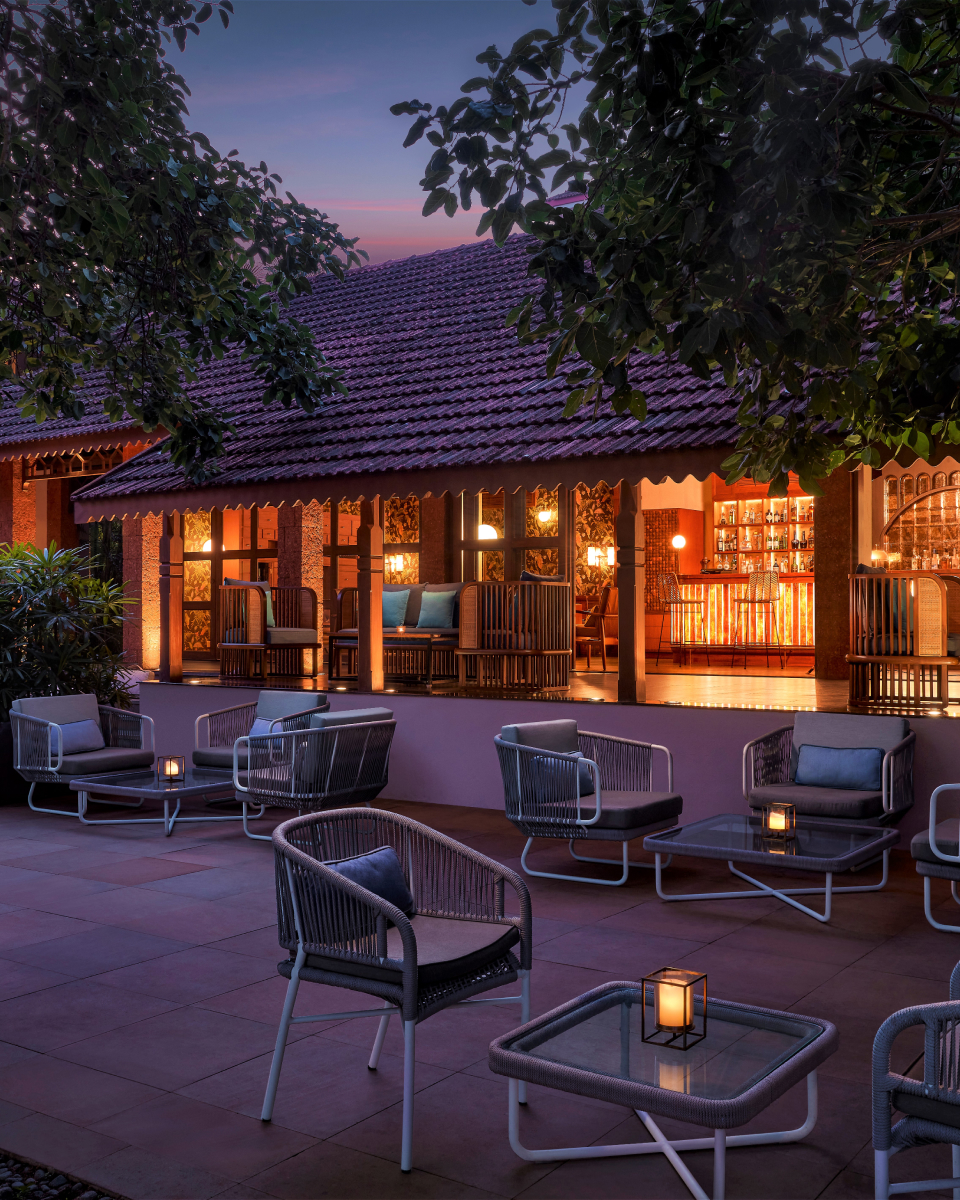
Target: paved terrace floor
(139, 1001)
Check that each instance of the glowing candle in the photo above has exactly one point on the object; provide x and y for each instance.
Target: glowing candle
(674, 1006)
(777, 821)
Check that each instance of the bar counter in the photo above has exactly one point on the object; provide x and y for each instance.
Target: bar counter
(719, 593)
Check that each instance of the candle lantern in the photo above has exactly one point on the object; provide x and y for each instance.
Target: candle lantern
(675, 1021)
(171, 768)
(779, 821)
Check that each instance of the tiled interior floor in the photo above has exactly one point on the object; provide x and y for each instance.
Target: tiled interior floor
(139, 999)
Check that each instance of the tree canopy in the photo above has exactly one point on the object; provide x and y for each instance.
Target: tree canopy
(770, 188)
(127, 243)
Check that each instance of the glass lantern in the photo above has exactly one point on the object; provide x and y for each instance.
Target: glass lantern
(675, 1021)
(171, 768)
(779, 821)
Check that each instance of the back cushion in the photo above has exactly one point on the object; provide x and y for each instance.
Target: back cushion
(379, 872)
(61, 710)
(273, 704)
(560, 736)
(828, 767)
(349, 716)
(413, 600)
(448, 587)
(845, 731)
(436, 610)
(395, 608)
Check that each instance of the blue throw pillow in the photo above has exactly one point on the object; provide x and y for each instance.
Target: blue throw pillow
(856, 770)
(583, 771)
(78, 737)
(379, 872)
(395, 607)
(436, 610)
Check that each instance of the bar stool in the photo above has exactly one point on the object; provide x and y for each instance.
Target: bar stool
(763, 589)
(670, 596)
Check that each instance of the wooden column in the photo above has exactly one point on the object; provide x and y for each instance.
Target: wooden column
(632, 680)
(436, 564)
(834, 549)
(567, 556)
(468, 564)
(370, 597)
(864, 507)
(41, 537)
(171, 599)
(514, 527)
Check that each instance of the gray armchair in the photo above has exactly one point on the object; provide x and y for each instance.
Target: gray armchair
(216, 732)
(770, 767)
(44, 726)
(936, 851)
(931, 1105)
(341, 758)
(458, 941)
(559, 782)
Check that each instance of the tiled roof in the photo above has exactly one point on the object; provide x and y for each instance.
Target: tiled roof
(20, 435)
(435, 381)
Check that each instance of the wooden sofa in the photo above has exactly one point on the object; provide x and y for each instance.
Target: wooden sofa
(900, 639)
(251, 647)
(516, 635)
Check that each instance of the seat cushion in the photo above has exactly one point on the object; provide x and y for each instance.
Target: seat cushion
(110, 758)
(947, 839)
(274, 703)
(927, 1108)
(630, 810)
(349, 716)
(447, 949)
(820, 801)
(218, 756)
(285, 636)
(61, 710)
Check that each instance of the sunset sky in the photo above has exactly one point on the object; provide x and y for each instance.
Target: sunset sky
(307, 85)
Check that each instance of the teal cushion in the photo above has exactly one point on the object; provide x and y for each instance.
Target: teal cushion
(379, 872)
(395, 608)
(436, 610)
(850, 768)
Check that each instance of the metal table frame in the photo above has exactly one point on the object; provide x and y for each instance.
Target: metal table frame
(663, 844)
(517, 1065)
(112, 785)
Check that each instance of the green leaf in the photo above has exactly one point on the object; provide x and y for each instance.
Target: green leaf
(594, 344)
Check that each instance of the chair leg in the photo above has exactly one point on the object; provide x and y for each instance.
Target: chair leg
(929, 914)
(409, 1049)
(955, 1163)
(776, 626)
(381, 1035)
(603, 650)
(256, 837)
(55, 812)
(736, 634)
(881, 1174)
(289, 1002)
(525, 1017)
(663, 620)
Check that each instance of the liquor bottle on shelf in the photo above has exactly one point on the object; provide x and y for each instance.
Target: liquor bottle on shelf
(803, 540)
(796, 540)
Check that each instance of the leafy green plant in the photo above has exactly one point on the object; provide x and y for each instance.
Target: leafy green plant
(770, 188)
(128, 242)
(58, 627)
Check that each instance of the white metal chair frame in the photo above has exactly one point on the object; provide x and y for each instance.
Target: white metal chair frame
(952, 860)
(349, 903)
(34, 759)
(941, 1082)
(312, 769)
(566, 782)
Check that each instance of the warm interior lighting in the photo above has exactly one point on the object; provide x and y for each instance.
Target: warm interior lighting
(487, 533)
(207, 546)
(597, 555)
(611, 556)
(678, 542)
(545, 516)
(394, 562)
(171, 768)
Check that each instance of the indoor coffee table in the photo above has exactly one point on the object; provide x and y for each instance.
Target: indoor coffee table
(137, 786)
(820, 845)
(592, 1046)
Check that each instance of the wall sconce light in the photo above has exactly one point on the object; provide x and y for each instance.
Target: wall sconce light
(394, 562)
(597, 554)
(171, 768)
(675, 1021)
(779, 821)
(545, 515)
(207, 546)
(487, 533)
(678, 542)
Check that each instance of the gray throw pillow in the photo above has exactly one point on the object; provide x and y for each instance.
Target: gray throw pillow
(379, 872)
(78, 737)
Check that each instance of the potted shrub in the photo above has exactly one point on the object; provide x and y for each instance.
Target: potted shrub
(60, 633)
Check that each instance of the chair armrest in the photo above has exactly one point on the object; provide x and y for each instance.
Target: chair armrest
(897, 775)
(225, 724)
(767, 759)
(625, 765)
(566, 783)
(31, 743)
(122, 727)
(236, 763)
(300, 720)
(940, 1036)
(932, 829)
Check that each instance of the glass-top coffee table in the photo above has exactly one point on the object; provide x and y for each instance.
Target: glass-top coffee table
(592, 1046)
(821, 845)
(205, 783)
